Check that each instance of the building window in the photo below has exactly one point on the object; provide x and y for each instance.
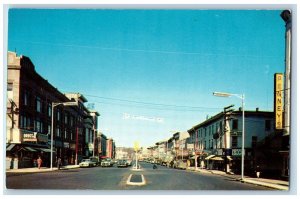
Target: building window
(49, 129)
(57, 131)
(26, 98)
(38, 104)
(58, 115)
(235, 124)
(234, 143)
(9, 86)
(66, 118)
(66, 134)
(268, 125)
(49, 110)
(254, 141)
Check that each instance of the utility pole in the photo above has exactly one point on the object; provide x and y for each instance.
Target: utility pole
(226, 134)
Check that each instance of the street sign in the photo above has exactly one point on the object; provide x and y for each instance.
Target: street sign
(136, 146)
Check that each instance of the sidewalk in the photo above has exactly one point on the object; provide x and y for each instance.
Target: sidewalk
(41, 170)
(271, 183)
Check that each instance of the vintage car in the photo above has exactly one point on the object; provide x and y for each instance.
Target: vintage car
(129, 162)
(95, 160)
(107, 163)
(87, 163)
(122, 163)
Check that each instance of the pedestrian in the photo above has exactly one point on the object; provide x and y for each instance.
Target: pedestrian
(39, 162)
(58, 163)
(258, 171)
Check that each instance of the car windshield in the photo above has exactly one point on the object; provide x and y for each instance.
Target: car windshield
(85, 160)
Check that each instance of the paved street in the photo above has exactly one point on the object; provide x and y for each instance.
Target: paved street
(114, 178)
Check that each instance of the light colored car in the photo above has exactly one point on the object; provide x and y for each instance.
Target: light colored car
(87, 163)
(129, 162)
(122, 163)
(106, 163)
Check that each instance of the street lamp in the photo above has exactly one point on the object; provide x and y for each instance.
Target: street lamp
(242, 97)
(54, 104)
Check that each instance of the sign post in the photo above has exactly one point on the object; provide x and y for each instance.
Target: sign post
(136, 148)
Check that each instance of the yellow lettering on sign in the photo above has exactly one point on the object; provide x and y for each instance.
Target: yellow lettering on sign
(278, 100)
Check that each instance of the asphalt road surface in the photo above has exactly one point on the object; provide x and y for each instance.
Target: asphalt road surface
(113, 178)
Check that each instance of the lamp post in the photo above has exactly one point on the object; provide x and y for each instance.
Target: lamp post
(242, 97)
(54, 104)
(94, 135)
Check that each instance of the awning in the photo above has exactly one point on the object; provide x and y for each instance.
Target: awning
(44, 150)
(10, 146)
(29, 149)
(217, 159)
(229, 158)
(209, 157)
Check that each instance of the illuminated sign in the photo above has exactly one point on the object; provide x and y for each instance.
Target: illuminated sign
(278, 100)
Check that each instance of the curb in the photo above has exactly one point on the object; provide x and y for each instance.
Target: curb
(279, 187)
(265, 184)
(136, 183)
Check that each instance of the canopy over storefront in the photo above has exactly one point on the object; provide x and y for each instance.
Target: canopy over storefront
(217, 158)
(209, 157)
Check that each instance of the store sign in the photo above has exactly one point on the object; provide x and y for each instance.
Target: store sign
(66, 145)
(29, 137)
(190, 146)
(42, 137)
(72, 146)
(278, 100)
(236, 152)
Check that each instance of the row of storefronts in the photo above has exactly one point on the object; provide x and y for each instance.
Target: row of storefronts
(216, 143)
(40, 118)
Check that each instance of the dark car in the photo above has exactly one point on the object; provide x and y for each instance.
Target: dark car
(122, 163)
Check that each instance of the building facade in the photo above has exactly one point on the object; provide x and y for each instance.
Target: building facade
(218, 140)
(33, 105)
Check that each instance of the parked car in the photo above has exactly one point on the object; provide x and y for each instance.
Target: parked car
(87, 163)
(95, 160)
(106, 163)
(122, 163)
(180, 164)
(129, 162)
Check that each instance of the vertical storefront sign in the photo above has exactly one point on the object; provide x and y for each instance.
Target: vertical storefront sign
(278, 105)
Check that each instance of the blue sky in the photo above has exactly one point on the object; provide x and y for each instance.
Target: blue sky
(154, 63)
